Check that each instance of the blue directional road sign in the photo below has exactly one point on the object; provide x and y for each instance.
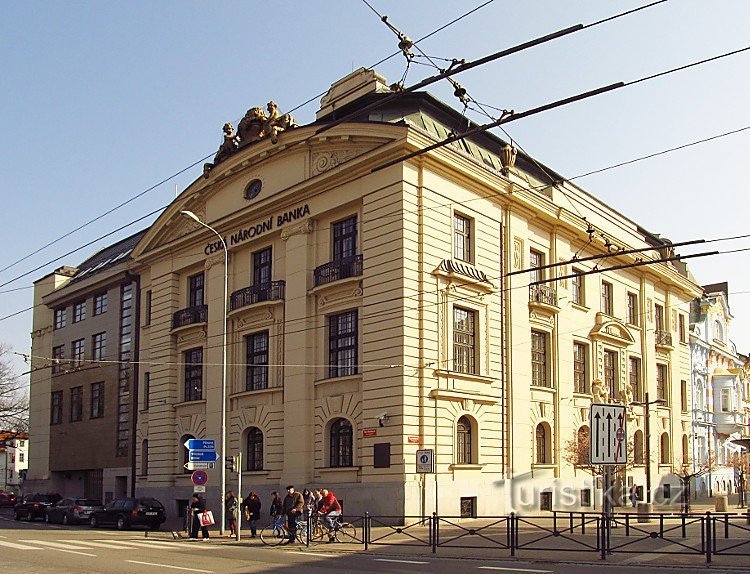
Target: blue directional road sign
(202, 456)
(200, 444)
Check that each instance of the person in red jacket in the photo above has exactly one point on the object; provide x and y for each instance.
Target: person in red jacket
(330, 509)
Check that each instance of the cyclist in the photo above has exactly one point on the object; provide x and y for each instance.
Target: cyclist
(330, 510)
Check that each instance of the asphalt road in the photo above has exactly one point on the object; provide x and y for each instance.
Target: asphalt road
(45, 548)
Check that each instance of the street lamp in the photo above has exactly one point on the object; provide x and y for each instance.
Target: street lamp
(194, 217)
(647, 404)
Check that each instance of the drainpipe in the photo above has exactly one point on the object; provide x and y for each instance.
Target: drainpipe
(135, 361)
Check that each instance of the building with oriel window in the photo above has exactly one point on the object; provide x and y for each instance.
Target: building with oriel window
(721, 391)
(377, 307)
(14, 460)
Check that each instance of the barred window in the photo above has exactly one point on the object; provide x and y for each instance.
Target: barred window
(464, 338)
(256, 370)
(462, 238)
(342, 344)
(193, 360)
(539, 370)
(254, 453)
(580, 370)
(341, 443)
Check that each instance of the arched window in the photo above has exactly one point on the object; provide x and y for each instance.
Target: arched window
(144, 457)
(464, 442)
(718, 331)
(664, 444)
(685, 453)
(583, 445)
(341, 443)
(638, 457)
(543, 444)
(185, 453)
(254, 453)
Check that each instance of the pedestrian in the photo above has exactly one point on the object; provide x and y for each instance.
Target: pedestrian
(198, 507)
(276, 511)
(252, 506)
(230, 513)
(310, 502)
(634, 495)
(293, 507)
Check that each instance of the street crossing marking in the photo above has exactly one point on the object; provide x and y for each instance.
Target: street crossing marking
(170, 566)
(110, 545)
(18, 546)
(58, 545)
(399, 561)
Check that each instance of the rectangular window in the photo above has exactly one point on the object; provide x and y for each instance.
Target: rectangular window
(659, 317)
(681, 327)
(661, 382)
(147, 310)
(342, 344)
(607, 298)
(633, 314)
(146, 398)
(61, 318)
(634, 376)
(79, 311)
(262, 267)
(726, 400)
(100, 304)
(536, 259)
(195, 290)
(576, 286)
(193, 360)
(610, 372)
(345, 238)
(97, 400)
(684, 396)
(462, 239)
(58, 357)
(256, 371)
(580, 374)
(77, 352)
(76, 404)
(539, 376)
(99, 346)
(56, 408)
(464, 337)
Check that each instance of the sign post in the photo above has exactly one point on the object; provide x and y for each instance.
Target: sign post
(608, 447)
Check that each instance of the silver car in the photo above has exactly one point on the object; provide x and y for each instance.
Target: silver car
(72, 510)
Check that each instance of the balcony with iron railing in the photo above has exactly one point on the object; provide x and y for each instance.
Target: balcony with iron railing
(273, 291)
(338, 269)
(543, 297)
(190, 316)
(664, 339)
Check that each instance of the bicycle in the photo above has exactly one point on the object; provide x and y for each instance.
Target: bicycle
(276, 532)
(342, 531)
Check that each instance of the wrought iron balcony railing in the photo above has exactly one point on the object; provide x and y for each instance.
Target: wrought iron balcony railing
(543, 294)
(273, 291)
(190, 316)
(339, 269)
(664, 338)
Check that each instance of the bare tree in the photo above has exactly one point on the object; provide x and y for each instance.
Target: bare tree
(741, 465)
(14, 399)
(687, 472)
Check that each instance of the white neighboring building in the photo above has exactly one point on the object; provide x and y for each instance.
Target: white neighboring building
(720, 393)
(14, 458)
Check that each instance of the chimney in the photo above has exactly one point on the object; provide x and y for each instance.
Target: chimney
(349, 88)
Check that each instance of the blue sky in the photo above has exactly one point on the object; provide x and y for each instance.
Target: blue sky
(101, 100)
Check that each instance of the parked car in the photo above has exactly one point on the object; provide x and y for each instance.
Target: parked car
(7, 499)
(127, 512)
(33, 506)
(72, 510)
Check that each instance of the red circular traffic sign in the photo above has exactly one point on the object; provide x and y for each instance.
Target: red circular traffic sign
(199, 477)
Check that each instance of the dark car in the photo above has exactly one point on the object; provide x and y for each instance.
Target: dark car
(33, 506)
(127, 512)
(7, 499)
(72, 510)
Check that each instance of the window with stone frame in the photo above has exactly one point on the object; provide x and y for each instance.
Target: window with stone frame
(256, 361)
(196, 290)
(344, 238)
(193, 372)
(580, 369)
(634, 376)
(610, 373)
(462, 238)
(536, 260)
(576, 287)
(464, 340)
(539, 367)
(342, 344)
(633, 315)
(341, 443)
(464, 444)
(662, 389)
(262, 262)
(607, 298)
(254, 452)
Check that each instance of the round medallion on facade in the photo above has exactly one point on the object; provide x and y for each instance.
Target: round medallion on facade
(253, 189)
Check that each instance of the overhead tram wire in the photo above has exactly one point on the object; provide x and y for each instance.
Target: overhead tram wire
(512, 116)
(111, 210)
(464, 66)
